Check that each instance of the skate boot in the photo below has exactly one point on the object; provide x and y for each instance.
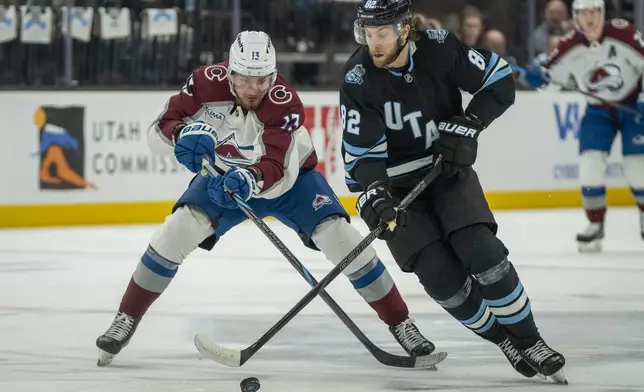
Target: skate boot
(116, 337)
(545, 360)
(590, 240)
(516, 360)
(408, 336)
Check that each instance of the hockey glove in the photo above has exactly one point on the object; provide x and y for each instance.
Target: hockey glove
(457, 143)
(237, 180)
(193, 142)
(536, 76)
(376, 205)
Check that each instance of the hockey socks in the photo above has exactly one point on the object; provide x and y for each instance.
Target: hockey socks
(377, 287)
(468, 307)
(152, 276)
(509, 302)
(594, 200)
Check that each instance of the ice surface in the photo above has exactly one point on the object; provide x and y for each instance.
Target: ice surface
(59, 289)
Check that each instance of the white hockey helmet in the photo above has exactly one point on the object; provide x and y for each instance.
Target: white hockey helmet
(252, 54)
(579, 5)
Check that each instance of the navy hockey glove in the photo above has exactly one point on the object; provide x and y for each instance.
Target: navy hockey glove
(376, 205)
(237, 180)
(457, 143)
(536, 76)
(193, 142)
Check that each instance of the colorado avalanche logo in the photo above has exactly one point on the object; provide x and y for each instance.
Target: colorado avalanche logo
(320, 201)
(232, 154)
(217, 71)
(607, 77)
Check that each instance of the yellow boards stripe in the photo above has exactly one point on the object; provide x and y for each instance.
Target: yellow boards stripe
(153, 212)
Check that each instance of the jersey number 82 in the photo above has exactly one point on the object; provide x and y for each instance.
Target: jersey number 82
(350, 120)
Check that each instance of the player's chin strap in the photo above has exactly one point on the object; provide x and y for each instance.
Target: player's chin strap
(411, 61)
(401, 46)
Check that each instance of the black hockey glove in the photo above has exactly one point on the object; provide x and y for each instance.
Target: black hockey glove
(457, 143)
(375, 205)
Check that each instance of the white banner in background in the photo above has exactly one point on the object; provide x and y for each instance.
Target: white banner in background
(36, 26)
(160, 22)
(535, 145)
(8, 23)
(114, 22)
(82, 20)
(88, 147)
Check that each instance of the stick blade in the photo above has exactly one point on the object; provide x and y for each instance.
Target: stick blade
(217, 353)
(429, 361)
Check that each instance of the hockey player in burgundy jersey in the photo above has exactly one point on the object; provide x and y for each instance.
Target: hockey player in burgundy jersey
(246, 118)
(605, 58)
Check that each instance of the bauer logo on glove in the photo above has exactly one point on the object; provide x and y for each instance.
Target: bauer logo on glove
(458, 129)
(194, 142)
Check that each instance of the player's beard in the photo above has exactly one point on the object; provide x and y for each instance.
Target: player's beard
(250, 102)
(385, 59)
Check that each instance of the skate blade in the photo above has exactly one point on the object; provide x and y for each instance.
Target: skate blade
(560, 377)
(590, 247)
(104, 358)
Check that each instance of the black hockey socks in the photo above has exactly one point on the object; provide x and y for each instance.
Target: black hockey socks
(448, 283)
(508, 300)
(485, 256)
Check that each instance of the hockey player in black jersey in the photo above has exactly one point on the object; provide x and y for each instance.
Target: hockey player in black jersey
(401, 106)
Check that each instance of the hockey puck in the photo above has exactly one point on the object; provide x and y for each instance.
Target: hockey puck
(250, 384)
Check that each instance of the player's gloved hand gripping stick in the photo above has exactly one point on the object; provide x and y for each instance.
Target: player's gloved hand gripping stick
(236, 358)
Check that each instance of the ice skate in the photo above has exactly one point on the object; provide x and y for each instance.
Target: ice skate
(116, 337)
(590, 240)
(546, 361)
(516, 360)
(408, 336)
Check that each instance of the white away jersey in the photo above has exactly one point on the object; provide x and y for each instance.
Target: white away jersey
(611, 68)
(271, 137)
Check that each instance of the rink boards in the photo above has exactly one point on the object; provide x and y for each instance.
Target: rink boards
(93, 166)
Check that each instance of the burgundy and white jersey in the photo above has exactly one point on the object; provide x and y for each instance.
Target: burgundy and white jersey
(271, 137)
(610, 68)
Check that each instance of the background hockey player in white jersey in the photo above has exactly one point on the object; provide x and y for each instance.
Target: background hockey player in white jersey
(247, 119)
(606, 59)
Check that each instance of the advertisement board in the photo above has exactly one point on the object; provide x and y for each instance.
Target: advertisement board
(82, 157)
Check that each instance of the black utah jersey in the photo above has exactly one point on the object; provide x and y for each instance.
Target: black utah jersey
(389, 116)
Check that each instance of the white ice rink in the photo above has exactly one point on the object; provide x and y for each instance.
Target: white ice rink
(59, 289)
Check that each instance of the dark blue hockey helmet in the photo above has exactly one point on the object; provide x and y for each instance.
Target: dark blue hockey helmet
(381, 13)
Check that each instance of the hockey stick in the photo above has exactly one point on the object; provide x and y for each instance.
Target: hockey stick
(380, 355)
(638, 115)
(236, 358)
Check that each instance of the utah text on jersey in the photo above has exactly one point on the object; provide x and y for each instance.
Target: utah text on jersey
(393, 115)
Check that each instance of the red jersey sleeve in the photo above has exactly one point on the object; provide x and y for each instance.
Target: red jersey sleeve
(205, 84)
(282, 115)
(622, 31)
(568, 42)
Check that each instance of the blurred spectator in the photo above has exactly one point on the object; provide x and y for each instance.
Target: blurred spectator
(472, 28)
(557, 22)
(624, 9)
(553, 42)
(494, 41)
